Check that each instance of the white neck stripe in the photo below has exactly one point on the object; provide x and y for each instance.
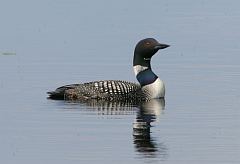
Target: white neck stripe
(139, 68)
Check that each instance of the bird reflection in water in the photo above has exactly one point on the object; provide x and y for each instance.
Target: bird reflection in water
(147, 113)
(145, 145)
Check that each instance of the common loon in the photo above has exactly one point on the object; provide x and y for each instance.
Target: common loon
(150, 87)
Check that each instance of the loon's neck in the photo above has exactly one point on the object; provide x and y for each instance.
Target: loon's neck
(152, 86)
(143, 71)
(140, 64)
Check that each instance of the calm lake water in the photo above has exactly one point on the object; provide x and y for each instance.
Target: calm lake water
(46, 44)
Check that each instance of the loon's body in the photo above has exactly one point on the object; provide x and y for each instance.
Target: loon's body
(150, 86)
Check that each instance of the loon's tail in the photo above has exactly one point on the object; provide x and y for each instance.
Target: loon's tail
(59, 93)
(55, 95)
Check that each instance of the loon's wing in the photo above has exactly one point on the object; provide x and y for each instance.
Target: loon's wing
(105, 89)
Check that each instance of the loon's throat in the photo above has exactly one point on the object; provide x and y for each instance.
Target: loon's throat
(140, 63)
(143, 61)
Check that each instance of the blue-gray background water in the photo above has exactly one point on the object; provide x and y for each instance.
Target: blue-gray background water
(45, 44)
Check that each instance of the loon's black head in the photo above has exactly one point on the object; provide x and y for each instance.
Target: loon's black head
(145, 49)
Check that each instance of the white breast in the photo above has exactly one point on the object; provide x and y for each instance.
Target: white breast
(154, 90)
